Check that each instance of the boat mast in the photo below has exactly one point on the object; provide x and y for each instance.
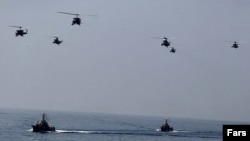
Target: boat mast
(44, 117)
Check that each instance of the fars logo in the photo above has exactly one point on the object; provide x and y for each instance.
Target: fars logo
(236, 132)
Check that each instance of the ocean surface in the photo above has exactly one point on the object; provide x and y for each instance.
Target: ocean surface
(15, 125)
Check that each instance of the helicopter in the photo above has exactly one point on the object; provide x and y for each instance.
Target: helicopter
(76, 20)
(173, 50)
(57, 41)
(20, 32)
(235, 45)
(165, 42)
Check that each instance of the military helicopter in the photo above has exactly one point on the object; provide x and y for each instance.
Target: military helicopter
(165, 42)
(20, 32)
(236, 44)
(76, 20)
(57, 41)
(173, 50)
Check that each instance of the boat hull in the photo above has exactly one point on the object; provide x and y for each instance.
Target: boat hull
(164, 129)
(42, 129)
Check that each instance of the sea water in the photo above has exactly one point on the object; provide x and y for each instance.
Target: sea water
(15, 125)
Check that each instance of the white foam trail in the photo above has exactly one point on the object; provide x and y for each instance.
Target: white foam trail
(183, 131)
(158, 130)
(74, 131)
(30, 130)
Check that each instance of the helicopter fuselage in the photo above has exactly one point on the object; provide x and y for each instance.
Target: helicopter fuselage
(20, 32)
(77, 21)
(57, 41)
(173, 50)
(165, 43)
(235, 45)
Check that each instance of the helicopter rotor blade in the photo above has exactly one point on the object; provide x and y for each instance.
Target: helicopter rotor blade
(243, 42)
(48, 36)
(172, 38)
(68, 13)
(157, 38)
(16, 26)
(92, 15)
(51, 36)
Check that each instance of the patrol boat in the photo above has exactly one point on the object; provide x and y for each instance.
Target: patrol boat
(42, 125)
(166, 127)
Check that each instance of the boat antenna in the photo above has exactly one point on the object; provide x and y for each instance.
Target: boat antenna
(44, 117)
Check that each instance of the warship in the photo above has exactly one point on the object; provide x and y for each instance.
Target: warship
(166, 127)
(42, 125)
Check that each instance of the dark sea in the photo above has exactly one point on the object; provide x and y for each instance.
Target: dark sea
(15, 125)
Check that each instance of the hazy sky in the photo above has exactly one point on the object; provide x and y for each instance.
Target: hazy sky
(111, 64)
